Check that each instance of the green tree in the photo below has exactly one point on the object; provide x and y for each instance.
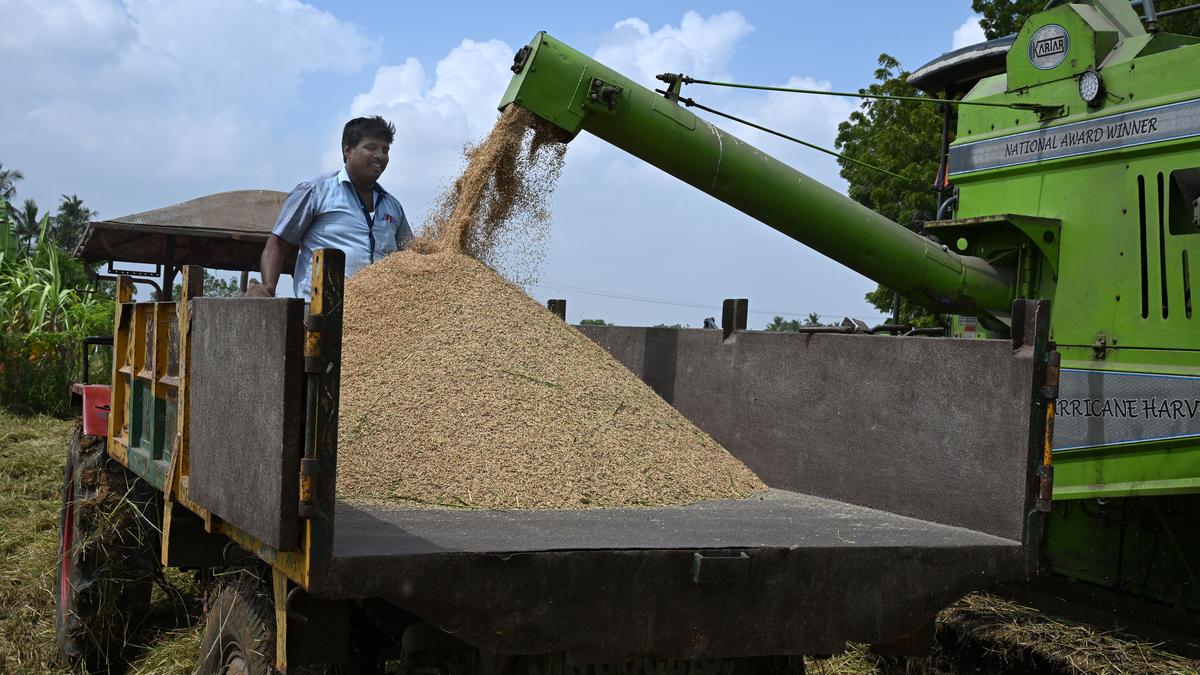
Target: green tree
(1005, 17)
(813, 319)
(8, 243)
(27, 225)
(778, 324)
(8, 182)
(214, 287)
(1187, 23)
(594, 322)
(904, 138)
(70, 221)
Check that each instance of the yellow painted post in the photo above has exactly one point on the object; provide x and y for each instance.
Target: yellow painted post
(119, 399)
(280, 586)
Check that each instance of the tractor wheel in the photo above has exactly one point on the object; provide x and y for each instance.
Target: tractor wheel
(239, 633)
(107, 554)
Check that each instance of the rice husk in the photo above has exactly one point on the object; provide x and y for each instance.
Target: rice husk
(459, 390)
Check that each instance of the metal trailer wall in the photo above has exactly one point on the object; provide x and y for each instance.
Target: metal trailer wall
(936, 429)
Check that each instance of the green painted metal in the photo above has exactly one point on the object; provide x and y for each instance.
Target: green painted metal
(1142, 546)
(149, 420)
(576, 93)
(1107, 232)
(1125, 515)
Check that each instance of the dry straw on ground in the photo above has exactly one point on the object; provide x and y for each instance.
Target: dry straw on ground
(460, 390)
(1063, 646)
(32, 452)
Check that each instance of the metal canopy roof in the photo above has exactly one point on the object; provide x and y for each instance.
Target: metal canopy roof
(226, 230)
(957, 71)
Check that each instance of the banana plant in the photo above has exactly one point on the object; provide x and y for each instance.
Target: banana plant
(8, 243)
(32, 294)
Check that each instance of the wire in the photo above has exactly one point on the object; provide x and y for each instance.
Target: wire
(1036, 107)
(675, 303)
(692, 104)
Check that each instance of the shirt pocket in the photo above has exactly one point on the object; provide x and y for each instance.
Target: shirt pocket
(386, 223)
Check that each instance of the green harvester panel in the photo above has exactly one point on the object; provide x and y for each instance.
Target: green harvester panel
(1087, 193)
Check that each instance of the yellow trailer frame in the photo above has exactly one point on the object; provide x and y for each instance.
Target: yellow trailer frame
(148, 428)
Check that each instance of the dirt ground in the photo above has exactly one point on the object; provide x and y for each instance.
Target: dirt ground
(1001, 637)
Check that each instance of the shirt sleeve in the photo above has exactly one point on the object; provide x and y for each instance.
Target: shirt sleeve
(403, 232)
(296, 214)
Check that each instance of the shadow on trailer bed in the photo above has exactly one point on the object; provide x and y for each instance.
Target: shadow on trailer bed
(784, 573)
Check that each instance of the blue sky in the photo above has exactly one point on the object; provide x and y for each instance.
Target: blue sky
(139, 104)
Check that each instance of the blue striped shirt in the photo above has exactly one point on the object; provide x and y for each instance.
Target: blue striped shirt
(325, 212)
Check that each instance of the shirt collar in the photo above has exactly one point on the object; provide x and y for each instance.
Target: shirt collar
(345, 178)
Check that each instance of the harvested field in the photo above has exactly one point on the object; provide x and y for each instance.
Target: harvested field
(32, 453)
(459, 390)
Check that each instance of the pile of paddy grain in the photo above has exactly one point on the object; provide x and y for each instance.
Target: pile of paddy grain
(459, 390)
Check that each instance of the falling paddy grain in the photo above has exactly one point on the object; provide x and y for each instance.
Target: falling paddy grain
(459, 390)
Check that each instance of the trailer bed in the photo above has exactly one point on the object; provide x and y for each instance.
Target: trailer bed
(891, 496)
(773, 519)
(777, 573)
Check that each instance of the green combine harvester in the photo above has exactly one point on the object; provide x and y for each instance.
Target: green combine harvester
(1076, 176)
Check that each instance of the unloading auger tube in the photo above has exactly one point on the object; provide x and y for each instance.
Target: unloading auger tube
(575, 92)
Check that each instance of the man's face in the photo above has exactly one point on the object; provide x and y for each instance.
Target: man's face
(368, 159)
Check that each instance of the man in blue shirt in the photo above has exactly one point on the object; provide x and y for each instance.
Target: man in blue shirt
(345, 209)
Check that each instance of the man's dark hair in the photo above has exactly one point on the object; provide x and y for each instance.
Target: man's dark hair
(367, 127)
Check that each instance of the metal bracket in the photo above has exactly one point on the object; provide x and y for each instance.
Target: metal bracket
(520, 58)
(603, 93)
(309, 468)
(1050, 383)
(674, 85)
(113, 270)
(717, 567)
(1100, 347)
(1045, 496)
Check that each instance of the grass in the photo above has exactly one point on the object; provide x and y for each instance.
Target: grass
(32, 453)
(1007, 636)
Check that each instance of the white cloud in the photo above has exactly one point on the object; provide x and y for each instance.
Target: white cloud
(658, 237)
(167, 101)
(621, 224)
(969, 33)
(177, 98)
(433, 119)
(699, 46)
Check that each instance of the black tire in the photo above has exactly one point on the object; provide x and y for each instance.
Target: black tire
(108, 551)
(239, 632)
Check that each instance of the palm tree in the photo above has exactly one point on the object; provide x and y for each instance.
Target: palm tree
(8, 182)
(27, 224)
(779, 324)
(70, 221)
